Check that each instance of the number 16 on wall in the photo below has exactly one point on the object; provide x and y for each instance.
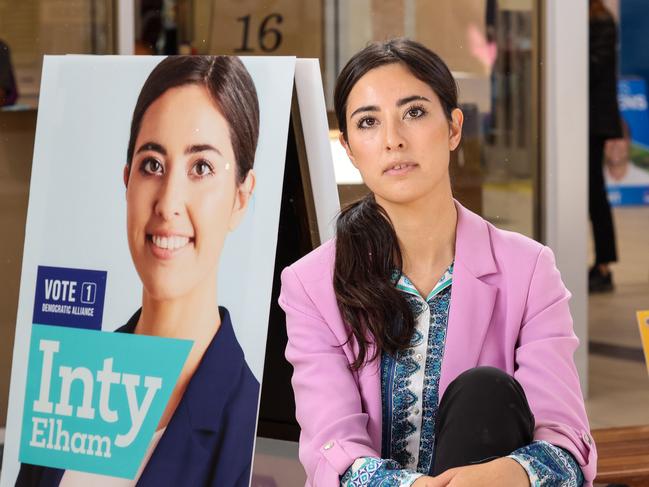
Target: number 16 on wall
(269, 37)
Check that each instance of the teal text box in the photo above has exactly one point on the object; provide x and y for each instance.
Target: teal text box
(93, 399)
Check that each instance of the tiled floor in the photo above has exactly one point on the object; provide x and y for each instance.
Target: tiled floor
(619, 393)
(619, 388)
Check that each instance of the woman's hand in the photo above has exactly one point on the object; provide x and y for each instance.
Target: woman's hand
(424, 481)
(500, 472)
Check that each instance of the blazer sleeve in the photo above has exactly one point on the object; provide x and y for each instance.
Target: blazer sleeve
(546, 369)
(328, 403)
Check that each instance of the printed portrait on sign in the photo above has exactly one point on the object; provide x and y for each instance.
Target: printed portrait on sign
(142, 324)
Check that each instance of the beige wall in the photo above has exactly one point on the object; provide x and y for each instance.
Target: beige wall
(16, 147)
(217, 30)
(387, 18)
(33, 28)
(441, 25)
(444, 27)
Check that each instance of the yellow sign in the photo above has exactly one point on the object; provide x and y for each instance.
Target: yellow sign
(643, 323)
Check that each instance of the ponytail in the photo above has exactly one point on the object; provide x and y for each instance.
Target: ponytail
(367, 255)
(367, 250)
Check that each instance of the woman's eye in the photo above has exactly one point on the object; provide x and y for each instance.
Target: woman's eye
(366, 122)
(202, 168)
(151, 166)
(415, 112)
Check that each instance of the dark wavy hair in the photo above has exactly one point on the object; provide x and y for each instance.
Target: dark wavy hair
(367, 250)
(229, 84)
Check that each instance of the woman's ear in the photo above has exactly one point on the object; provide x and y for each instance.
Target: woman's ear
(241, 199)
(127, 172)
(455, 132)
(348, 150)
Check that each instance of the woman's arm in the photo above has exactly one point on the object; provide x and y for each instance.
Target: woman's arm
(547, 464)
(545, 366)
(371, 472)
(328, 403)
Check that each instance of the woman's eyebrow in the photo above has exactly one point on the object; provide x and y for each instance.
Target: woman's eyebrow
(367, 108)
(152, 146)
(193, 149)
(400, 102)
(408, 99)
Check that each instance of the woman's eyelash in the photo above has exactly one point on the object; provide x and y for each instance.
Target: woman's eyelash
(361, 123)
(147, 163)
(421, 109)
(206, 165)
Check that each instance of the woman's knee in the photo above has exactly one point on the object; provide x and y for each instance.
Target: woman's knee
(486, 382)
(486, 390)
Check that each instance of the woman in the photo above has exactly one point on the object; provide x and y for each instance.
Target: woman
(412, 296)
(188, 181)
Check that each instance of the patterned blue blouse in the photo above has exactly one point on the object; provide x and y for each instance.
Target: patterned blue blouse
(410, 393)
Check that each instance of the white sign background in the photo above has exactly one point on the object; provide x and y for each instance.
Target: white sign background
(77, 206)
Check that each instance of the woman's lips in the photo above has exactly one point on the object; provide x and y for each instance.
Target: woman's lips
(400, 169)
(167, 246)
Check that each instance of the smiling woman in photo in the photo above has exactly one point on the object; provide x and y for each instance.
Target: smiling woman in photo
(189, 180)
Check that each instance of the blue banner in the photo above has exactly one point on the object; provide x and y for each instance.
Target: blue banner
(632, 100)
(628, 195)
(627, 178)
(69, 297)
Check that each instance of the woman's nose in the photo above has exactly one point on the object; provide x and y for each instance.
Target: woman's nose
(394, 139)
(170, 200)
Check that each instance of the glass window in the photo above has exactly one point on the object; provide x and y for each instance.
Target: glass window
(492, 48)
(247, 28)
(34, 28)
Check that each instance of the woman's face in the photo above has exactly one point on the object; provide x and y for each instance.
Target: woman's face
(182, 196)
(398, 135)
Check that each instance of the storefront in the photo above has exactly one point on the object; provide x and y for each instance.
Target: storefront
(521, 66)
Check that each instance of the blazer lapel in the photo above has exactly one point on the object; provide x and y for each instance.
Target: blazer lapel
(178, 456)
(185, 452)
(472, 299)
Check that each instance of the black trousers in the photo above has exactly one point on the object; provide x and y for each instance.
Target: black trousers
(598, 205)
(483, 415)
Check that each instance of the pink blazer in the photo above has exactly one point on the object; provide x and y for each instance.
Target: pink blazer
(509, 309)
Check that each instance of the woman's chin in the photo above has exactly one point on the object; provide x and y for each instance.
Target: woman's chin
(166, 291)
(402, 198)
(165, 295)
(165, 283)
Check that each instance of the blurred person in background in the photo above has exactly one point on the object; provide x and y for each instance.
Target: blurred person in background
(8, 88)
(605, 124)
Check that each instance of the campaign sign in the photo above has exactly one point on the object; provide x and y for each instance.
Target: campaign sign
(627, 182)
(632, 100)
(69, 297)
(93, 399)
(78, 396)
